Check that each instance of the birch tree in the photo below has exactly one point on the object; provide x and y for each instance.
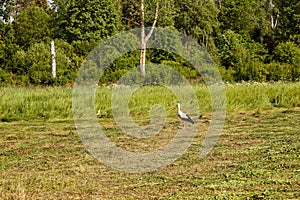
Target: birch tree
(142, 14)
(273, 14)
(53, 58)
(144, 37)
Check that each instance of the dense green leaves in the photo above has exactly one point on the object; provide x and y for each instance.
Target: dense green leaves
(197, 19)
(289, 21)
(241, 16)
(131, 13)
(288, 54)
(91, 21)
(32, 26)
(241, 56)
(248, 40)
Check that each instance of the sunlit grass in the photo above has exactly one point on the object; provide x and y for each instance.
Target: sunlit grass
(17, 103)
(256, 157)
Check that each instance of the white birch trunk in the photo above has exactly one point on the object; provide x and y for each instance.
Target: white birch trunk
(273, 24)
(144, 38)
(53, 61)
(143, 42)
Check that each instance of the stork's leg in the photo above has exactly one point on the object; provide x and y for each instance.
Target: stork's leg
(181, 125)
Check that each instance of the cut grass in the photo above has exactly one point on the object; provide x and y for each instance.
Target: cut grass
(257, 157)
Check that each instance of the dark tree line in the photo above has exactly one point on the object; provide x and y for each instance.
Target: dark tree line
(248, 40)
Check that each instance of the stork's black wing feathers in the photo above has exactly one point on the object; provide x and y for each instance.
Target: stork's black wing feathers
(189, 119)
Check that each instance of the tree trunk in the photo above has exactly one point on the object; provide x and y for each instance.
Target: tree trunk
(143, 59)
(144, 38)
(143, 42)
(53, 61)
(219, 4)
(273, 24)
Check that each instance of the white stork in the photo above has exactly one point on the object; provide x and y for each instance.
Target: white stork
(184, 117)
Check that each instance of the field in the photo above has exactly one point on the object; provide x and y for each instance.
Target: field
(256, 157)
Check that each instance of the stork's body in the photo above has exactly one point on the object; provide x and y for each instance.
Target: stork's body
(184, 117)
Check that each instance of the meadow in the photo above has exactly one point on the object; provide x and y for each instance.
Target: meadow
(256, 157)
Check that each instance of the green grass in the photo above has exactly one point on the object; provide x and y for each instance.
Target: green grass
(18, 103)
(256, 157)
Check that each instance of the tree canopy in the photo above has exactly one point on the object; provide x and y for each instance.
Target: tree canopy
(248, 40)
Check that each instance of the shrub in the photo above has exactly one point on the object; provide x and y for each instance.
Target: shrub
(279, 72)
(288, 53)
(156, 74)
(5, 77)
(35, 64)
(242, 56)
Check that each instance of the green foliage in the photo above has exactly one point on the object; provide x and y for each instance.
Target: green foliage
(5, 77)
(240, 36)
(39, 64)
(276, 71)
(67, 63)
(242, 56)
(7, 46)
(119, 67)
(288, 54)
(197, 19)
(186, 71)
(131, 15)
(166, 12)
(289, 21)
(84, 23)
(164, 40)
(19, 64)
(243, 16)
(156, 74)
(6, 7)
(2, 42)
(36, 64)
(32, 26)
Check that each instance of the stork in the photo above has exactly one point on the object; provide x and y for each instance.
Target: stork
(184, 117)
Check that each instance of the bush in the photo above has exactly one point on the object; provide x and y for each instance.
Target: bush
(35, 64)
(242, 56)
(287, 52)
(156, 74)
(5, 77)
(119, 67)
(288, 55)
(279, 72)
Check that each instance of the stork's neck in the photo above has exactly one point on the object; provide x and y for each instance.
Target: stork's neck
(178, 106)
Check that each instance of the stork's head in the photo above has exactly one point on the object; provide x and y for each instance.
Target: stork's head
(178, 105)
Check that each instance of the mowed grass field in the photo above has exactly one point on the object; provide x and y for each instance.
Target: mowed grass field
(256, 157)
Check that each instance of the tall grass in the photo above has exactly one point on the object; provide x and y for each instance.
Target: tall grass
(19, 103)
(262, 96)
